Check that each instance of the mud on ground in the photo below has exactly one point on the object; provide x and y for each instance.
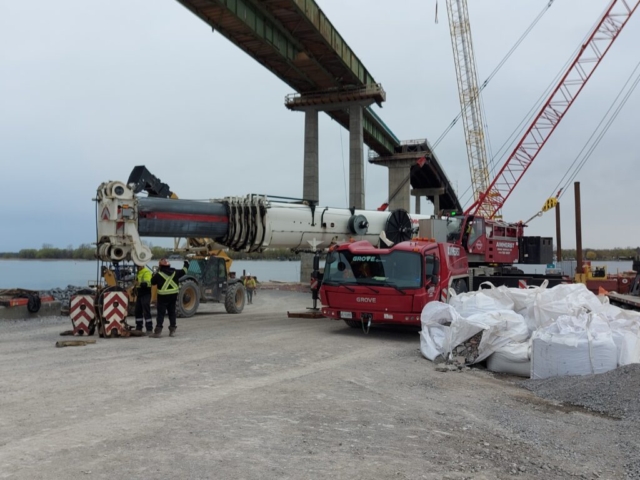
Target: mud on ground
(261, 396)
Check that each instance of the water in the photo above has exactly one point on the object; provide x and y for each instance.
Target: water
(46, 274)
(611, 266)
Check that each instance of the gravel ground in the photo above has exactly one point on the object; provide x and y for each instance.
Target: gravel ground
(615, 394)
(260, 396)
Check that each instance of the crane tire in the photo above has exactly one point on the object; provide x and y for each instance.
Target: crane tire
(234, 298)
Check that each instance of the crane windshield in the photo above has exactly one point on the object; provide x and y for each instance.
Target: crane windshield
(397, 269)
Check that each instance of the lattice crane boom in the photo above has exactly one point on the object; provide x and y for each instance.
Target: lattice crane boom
(473, 122)
(590, 55)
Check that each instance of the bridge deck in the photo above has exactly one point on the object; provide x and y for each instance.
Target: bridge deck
(296, 41)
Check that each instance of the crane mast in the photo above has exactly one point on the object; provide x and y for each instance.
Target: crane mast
(469, 94)
(590, 55)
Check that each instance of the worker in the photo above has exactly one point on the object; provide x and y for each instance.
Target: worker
(166, 279)
(249, 286)
(143, 299)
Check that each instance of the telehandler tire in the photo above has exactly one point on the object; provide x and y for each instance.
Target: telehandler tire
(234, 299)
(188, 299)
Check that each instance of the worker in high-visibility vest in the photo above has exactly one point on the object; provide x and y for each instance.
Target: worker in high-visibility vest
(166, 279)
(143, 299)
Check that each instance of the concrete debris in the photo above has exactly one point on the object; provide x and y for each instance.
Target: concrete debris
(63, 295)
(467, 352)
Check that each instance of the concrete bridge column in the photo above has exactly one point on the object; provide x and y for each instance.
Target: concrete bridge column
(311, 176)
(356, 158)
(398, 173)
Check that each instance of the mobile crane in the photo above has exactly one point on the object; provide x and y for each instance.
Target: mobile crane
(362, 285)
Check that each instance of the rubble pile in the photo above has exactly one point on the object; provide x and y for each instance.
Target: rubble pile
(63, 295)
(467, 352)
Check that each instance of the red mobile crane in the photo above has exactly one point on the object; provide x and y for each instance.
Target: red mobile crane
(362, 284)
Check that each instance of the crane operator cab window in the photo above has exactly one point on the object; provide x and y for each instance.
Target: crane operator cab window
(454, 227)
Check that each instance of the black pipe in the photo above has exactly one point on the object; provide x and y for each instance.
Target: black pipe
(162, 217)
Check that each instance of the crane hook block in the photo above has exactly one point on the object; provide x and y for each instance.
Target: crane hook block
(549, 204)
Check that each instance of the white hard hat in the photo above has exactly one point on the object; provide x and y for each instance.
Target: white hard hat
(248, 274)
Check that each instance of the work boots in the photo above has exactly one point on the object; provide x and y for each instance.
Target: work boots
(139, 324)
(157, 333)
(149, 327)
(172, 331)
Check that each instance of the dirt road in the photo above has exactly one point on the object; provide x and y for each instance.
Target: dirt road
(262, 396)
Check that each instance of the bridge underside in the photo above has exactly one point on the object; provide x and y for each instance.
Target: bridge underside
(296, 41)
(426, 175)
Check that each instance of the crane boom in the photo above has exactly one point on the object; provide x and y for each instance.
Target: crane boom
(465, 63)
(590, 55)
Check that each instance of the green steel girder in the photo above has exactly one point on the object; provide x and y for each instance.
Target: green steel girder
(309, 55)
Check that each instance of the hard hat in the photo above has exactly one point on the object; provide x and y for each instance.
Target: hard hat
(248, 274)
(163, 262)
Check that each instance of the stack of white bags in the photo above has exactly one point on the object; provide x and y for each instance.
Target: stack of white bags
(537, 332)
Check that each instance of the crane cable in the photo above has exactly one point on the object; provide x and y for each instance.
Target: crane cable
(598, 133)
(517, 132)
(484, 84)
(495, 70)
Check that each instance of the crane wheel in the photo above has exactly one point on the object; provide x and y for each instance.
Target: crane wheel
(188, 299)
(234, 299)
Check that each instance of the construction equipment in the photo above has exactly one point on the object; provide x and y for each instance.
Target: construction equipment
(459, 253)
(470, 102)
(208, 278)
(631, 299)
(248, 224)
(590, 55)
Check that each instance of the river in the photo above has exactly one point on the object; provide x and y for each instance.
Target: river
(47, 274)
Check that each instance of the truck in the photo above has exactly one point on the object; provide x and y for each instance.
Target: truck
(362, 285)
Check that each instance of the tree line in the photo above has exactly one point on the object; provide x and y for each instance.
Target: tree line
(88, 252)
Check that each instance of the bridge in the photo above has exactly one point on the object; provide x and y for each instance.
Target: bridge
(295, 40)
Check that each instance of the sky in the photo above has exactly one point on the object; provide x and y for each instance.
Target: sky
(90, 89)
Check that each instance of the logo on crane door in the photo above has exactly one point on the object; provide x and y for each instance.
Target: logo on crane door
(453, 251)
(504, 248)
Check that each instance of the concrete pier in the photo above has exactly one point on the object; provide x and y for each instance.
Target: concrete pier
(311, 170)
(356, 157)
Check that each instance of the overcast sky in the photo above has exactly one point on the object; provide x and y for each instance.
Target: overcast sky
(89, 89)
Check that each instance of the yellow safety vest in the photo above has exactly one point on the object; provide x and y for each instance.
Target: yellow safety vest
(169, 286)
(144, 276)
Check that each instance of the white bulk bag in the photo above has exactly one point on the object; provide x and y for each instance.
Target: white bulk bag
(573, 346)
(513, 358)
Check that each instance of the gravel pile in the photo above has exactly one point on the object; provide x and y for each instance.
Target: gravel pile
(63, 295)
(615, 393)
